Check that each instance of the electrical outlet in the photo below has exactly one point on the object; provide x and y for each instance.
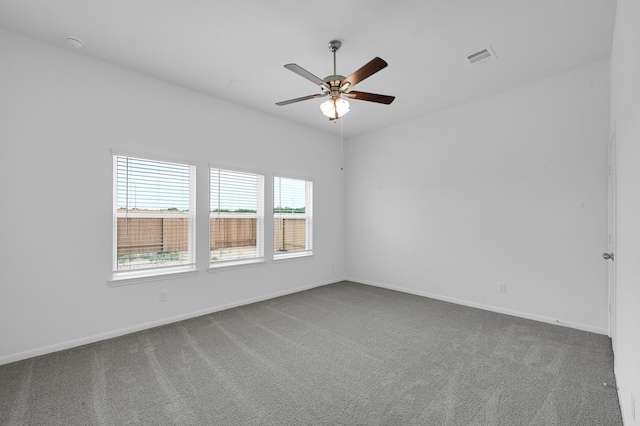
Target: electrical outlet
(502, 287)
(163, 295)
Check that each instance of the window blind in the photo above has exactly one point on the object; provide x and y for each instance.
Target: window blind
(236, 215)
(292, 214)
(154, 214)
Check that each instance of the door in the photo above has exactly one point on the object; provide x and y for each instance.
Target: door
(612, 240)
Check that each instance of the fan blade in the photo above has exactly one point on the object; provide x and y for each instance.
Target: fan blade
(371, 97)
(306, 74)
(304, 98)
(372, 67)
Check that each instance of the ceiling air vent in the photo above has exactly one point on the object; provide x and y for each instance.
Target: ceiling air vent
(483, 55)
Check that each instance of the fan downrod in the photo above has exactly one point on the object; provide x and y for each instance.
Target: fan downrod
(334, 80)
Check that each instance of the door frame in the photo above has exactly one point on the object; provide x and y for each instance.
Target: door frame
(611, 178)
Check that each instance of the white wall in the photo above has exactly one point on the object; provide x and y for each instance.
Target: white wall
(60, 114)
(625, 120)
(511, 188)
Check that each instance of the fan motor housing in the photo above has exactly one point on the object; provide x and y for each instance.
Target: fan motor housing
(334, 80)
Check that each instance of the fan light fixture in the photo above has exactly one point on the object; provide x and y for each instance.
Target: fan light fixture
(334, 108)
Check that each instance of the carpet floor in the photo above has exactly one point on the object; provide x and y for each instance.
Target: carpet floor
(341, 354)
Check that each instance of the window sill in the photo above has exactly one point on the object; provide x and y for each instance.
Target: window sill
(292, 256)
(235, 264)
(134, 277)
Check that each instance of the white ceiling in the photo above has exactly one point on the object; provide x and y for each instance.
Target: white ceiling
(235, 50)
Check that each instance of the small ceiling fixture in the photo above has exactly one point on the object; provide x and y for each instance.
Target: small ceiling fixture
(336, 85)
(77, 43)
(482, 55)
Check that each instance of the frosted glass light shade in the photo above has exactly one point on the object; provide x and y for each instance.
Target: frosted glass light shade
(331, 106)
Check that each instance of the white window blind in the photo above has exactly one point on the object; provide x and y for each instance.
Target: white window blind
(292, 216)
(236, 219)
(154, 215)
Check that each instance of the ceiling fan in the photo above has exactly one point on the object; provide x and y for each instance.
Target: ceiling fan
(337, 86)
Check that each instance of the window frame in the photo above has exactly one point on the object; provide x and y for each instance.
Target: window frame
(130, 276)
(259, 216)
(307, 215)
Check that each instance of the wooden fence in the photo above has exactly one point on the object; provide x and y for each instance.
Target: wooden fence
(233, 232)
(138, 235)
(289, 234)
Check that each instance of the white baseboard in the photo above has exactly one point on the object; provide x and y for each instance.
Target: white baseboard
(121, 332)
(527, 315)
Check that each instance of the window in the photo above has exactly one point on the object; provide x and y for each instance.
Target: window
(236, 217)
(154, 217)
(292, 217)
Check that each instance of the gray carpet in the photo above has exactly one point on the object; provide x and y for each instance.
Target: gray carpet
(342, 354)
